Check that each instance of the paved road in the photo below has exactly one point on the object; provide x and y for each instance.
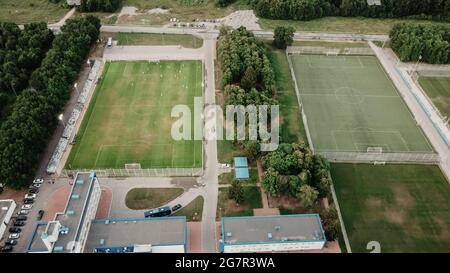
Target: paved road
(210, 178)
(259, 33)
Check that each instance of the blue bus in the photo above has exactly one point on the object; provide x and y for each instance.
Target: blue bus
(158, 212)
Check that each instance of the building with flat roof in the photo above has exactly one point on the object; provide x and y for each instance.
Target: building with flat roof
(67, 233)
(155, 235)
(7, 208)
(271, 233)
(76, 231)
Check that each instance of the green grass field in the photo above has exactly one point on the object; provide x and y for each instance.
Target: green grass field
(192, 211)
(229, 208)
(438, 90)
(129, 117)
(403, 207)
(147, 198)
(351, 105)
(29, 11)
(342, 24)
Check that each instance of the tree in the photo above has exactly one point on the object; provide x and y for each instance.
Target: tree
(283, 37)
(249, 80)
(307, 195)
(236, 192)
(330, 220)
(269, 182)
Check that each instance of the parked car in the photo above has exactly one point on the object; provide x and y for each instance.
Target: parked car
(23, 212)
(176, 207)
(33, 190)
(21, 218)
(28, 201)
(38, 181)
(7, 249)
(19, 223)
(11, 242)
(14, 236)
(15, 230)
(40, 214)
(37, 185)
(30, 196)
(27, 206)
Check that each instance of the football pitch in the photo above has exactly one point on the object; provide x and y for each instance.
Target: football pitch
(351, 105)
(129, 117)
(438, 90)
(405, 208)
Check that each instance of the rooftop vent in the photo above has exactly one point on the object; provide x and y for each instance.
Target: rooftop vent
(277, 227)
(75, 196)
(229, 234)
(269, 236)
(102, 241)
(284, 239)
(80, 182)
(70, 212)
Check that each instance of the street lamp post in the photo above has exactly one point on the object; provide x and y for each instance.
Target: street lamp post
(61, 118)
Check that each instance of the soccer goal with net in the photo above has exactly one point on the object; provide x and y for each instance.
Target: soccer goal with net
(133, 166)
(375, 150)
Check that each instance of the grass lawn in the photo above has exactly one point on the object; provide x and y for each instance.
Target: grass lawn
(403, 207)
(148, 198)
(129, 117)
(29, 11)
(292, 129)
(193, 211)
(228, 208)
(341, 24)
(228, 178)
(350, 101)
(185, 40)
(438, 90)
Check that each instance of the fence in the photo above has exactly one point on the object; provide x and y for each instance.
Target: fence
(161, 172)
(429, 158)
(357, 51)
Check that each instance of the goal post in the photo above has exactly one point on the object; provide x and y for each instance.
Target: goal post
(375, 150)
(133, 166)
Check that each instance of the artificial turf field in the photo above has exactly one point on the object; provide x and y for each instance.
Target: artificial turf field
(351, 105)
(129, 117)
(403, 207)
(438, 90)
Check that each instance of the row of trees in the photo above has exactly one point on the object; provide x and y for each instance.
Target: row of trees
(100, 5)
(430, 42)
(24, 134)
(21, 52)
(311, 9)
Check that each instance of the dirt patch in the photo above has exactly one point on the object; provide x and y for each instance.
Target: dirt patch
(158, 11)
(246, 18)
(266, 212)
(374, 202)
(129, 11)
(284, 201)
(232, 206)
(16, 195)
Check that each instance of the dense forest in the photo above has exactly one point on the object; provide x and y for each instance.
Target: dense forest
(21, 52)
(311, 9)
(431, 42)
(25, 132)
(100, 5)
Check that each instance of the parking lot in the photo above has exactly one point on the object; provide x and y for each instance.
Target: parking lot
(30, 208)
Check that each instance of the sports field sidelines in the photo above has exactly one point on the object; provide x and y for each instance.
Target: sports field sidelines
(129, 117)
(351, 105)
